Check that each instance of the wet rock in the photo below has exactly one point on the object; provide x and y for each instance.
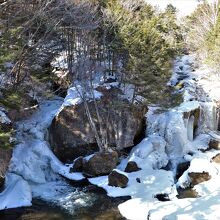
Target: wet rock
(181, 168)
(77, 165)
(101, 163)
(71, 135)
(216, 159)
(197, 178)
(138, 180)
(162, 197)
(214, 144)
(117, 179)
(132, 167)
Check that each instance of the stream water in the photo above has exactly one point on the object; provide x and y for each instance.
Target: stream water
(101, 208)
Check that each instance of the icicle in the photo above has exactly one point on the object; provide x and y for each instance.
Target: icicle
(190, 128)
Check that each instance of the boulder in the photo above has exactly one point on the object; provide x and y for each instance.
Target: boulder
(197, 178)
(216, 158)
(214, 144)
(123, 123)
(132, 167)
(117, 179)
(101, 163)
(77, 165)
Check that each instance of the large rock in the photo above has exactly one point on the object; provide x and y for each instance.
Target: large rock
(197, 178)
(216, 159)
(132, 167)
(77, 165)
(117, 179)
(71, 135)
(101, 163)
(214, 144)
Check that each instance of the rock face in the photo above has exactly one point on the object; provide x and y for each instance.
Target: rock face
(197, 178)
(101, 163)
(117, 179)
(71, 135)
(132, 167)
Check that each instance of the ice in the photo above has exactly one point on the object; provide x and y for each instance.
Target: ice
(3, 118)
(150, 152)
(75, 96)
(33, 162)
(17, 192)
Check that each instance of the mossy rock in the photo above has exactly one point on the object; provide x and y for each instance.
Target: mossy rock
(18, 103)
(11, 99)
(6, 132)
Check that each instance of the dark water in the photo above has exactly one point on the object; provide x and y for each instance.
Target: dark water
(102, 208)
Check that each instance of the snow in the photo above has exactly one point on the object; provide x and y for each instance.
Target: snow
(150, 152)
(203, 208)
(60, 62)
(75, 94)
(152, 182)
(3, 118)
(33, 163)
(17, 192)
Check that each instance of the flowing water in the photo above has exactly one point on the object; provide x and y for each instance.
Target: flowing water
(101, 208)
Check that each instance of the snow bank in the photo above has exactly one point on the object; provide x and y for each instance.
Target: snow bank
(188, 209)
(75, 94)
(152, 182)
(150, 152)
(33, 163)
(17, 192)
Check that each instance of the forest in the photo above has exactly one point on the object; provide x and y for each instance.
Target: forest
(118, 95)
